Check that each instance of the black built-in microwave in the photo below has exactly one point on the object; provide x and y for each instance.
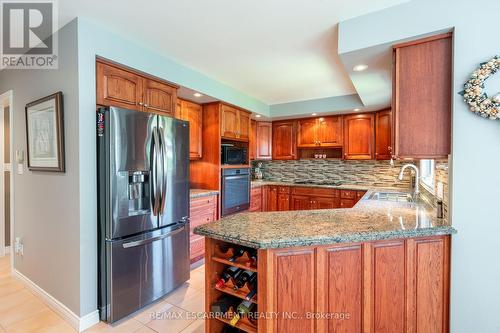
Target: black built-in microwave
(234, 155)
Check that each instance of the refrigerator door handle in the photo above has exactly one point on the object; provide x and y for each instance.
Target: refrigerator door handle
(153, 239)
(163, 161)
(155, 197)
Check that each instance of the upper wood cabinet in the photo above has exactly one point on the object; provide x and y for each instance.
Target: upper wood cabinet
(284, 140)
(422, 97)
(235, 123)
(192, 113)
(124, 88)
(383, 137)
(320, 132)
(252, 140)
(359, 136)
(264, 133)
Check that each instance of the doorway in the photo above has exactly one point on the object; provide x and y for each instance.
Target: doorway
(6, 177)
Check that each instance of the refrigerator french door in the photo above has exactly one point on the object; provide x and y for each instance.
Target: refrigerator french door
(143, 207)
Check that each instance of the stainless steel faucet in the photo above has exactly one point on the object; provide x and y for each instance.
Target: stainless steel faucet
(416, 190)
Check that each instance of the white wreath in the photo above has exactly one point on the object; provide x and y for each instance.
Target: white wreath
(474, 94)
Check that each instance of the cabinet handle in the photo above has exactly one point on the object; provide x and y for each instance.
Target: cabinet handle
(145, 105)
(140, 103)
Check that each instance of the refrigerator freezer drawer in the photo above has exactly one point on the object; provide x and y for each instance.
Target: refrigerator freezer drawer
(143, 268)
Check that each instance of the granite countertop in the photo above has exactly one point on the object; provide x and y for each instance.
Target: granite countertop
(368, 220)
(198, 193)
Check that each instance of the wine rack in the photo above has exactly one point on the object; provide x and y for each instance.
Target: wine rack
(216, 262)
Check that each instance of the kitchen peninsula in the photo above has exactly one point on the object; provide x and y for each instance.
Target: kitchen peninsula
(379, 266)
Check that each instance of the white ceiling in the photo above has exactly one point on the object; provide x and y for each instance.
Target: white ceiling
(277, 50)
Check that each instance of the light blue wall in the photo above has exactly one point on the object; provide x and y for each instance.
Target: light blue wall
(476, 150)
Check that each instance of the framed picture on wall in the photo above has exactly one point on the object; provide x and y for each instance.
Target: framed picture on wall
(45, 133)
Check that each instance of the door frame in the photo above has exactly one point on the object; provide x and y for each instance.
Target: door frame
(6, 99)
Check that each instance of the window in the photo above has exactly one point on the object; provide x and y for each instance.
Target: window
(427, 174)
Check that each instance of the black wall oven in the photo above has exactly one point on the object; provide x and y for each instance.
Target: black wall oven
(235, 190)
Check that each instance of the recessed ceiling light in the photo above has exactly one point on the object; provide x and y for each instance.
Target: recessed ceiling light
(257, 116)
(356, 109)
(359, 68)
(197, 94)
(313, 114)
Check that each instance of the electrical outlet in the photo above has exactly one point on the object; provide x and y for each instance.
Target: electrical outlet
(19, 246)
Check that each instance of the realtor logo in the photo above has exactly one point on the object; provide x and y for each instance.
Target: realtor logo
(28, 40)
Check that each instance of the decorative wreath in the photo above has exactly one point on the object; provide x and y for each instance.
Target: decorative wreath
(474, 94)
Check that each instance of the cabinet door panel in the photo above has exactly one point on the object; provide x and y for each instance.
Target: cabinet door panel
(342, 292)
(117, 87)
(293, 295)
(422, 98)
(192, 112)
(159, 97)
(252, 141)
(284, 140)
(330, 131)
(229, 122)
(359, 137)
(300, 202)
(307, 133)
(243, 131)
(272, 198)
(283, 202)
(383, 138)
(387, 281)
(428, 285)
(264, 140)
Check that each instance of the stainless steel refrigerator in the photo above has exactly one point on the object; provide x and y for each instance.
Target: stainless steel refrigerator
(143, 207)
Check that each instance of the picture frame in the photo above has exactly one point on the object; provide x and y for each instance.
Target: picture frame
(45, 133)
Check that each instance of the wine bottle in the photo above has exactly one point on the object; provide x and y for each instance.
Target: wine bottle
(230, 329)
(243, 308)
(251, 294)
(229, 273)
(252, 285)
(238, 252)
(252, 254)
(221, 306)
(223, 248)
(244, 277)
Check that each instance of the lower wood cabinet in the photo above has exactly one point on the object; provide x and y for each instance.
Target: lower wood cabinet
(381, 286)
(255, 199)
(202, 210)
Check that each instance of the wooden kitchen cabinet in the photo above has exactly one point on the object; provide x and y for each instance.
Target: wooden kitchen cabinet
(300, 202)
(192, 113)
(284, 140)
(271, 198)
(202, 210)
(125, 88)
(397, 285)
(256, 199)
(383, 135)
(319, 132)
(359, 136)
(264, 133)
(283, 199)
(235, 123)
(422, 97)
(260, 142)
(252, 141)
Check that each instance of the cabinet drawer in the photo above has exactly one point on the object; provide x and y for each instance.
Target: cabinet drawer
(347, 194)
(284, 189)
(197, 246)
(347, 203)
(199, 219)
(203, 204)
(328, 192)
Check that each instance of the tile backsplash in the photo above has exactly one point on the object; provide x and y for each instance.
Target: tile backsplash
(372, 173)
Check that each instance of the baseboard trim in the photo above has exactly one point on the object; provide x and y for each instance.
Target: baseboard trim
(7, 249)
(78, 323)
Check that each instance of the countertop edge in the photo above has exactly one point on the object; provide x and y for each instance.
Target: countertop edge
(331, 240)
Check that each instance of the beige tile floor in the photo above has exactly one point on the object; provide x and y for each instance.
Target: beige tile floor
(23, 312)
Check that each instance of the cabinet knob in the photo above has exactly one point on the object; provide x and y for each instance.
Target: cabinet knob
(145, 105)
(140, 103)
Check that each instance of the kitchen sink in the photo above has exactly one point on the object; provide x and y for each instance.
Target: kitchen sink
(391, 196)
